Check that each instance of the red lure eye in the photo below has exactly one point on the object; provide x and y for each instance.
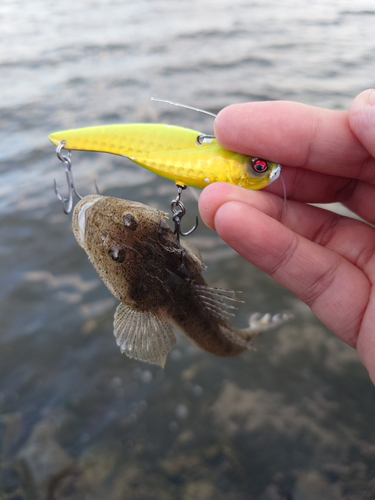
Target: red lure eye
(260, 166)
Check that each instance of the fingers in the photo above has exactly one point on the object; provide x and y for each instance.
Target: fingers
(351, 239)
(336, 290)
(362, 119)
(366, 339)
(296, 135)
(313, 187)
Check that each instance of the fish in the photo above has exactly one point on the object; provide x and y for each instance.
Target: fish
(182, 155)
(158, 282)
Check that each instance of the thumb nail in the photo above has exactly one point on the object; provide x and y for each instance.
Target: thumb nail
(362, 119)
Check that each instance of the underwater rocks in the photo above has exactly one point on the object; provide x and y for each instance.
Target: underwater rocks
(44, 459)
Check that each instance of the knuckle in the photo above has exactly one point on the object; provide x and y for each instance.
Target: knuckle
(285, 257)
(320, 284)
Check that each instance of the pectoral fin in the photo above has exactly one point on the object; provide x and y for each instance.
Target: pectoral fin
(143, 335)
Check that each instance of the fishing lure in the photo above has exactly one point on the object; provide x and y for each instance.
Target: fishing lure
(185, 156)
(156, 277)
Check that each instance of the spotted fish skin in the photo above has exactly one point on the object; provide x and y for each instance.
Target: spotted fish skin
(157, 282)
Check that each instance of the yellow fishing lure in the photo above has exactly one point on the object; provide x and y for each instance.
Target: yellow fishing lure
(182, 155)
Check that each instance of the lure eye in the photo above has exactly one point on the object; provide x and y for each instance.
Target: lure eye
(259, 166)
(117, 254)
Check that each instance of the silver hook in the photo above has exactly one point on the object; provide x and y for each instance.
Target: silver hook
(67, 162)
(178, 211)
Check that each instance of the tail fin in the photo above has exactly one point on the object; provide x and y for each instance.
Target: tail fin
(259, 324)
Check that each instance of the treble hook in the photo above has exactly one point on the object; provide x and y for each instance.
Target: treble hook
(67, 162)
(72, 190)
(178, 211)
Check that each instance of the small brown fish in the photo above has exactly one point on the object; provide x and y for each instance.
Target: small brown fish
(158, 282)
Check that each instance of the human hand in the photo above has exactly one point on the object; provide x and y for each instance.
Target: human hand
(325, 259)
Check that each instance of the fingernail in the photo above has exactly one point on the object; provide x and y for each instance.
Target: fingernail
(371, 98)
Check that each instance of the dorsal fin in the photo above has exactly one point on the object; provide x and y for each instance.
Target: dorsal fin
(194, 253)
(214, 300)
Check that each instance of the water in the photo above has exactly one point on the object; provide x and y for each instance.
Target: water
(293, 419)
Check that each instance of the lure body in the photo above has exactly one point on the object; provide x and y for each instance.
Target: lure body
(172, 152)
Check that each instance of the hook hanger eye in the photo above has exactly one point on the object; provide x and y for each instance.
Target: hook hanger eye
(179, 210)
(202, 138)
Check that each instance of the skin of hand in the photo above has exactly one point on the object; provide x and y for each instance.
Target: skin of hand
(325, 259)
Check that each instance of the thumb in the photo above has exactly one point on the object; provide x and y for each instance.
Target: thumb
(362, 119)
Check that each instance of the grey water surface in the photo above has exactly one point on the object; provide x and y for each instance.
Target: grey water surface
(294, 419)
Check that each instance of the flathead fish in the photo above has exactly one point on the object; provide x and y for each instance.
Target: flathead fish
(158, 282)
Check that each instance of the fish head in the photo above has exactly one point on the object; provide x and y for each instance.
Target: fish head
(260, 173)
(250, 172)
(120, 237)
(79, 217)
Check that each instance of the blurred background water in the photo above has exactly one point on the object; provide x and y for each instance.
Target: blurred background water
(292, 420)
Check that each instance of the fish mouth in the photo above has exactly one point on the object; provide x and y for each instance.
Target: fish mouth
(275, 174)
(81, 209)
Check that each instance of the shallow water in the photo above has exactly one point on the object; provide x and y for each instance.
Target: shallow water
(293, 419)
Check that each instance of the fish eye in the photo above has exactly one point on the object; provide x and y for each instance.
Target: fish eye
(259, 166)
(117, 254)
(130, 222)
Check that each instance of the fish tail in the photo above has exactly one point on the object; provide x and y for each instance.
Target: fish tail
(259, 323)
(242, 339)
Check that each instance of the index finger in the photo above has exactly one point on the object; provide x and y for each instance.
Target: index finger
(296, 135)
